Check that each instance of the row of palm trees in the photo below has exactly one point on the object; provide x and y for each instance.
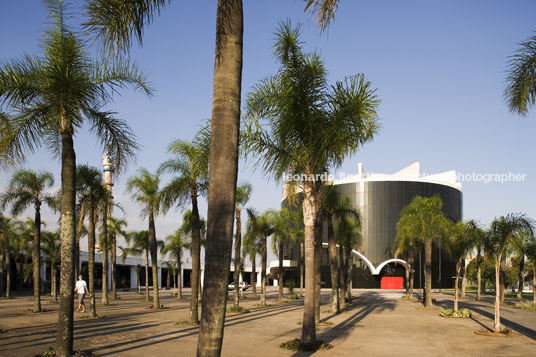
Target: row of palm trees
(422, 222)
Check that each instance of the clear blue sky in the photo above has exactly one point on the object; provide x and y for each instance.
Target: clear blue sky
(439, 67)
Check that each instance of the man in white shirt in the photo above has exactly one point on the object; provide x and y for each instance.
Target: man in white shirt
(81, 289)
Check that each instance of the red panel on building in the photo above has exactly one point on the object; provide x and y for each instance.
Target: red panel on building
(392, 282)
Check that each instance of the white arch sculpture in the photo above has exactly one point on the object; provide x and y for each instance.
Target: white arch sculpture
(376, 270)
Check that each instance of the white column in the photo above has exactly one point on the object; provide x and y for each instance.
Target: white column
(110, 276)
(44, 273)
(259, 277)
(202, 277)
(133, 277)
(159, 278)
(182, 278)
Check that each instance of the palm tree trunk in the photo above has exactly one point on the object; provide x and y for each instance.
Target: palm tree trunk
(280, 273)
(428, 273)
(534, 284)
(91, 261)
(520, 277)
(464, 278)
(407, 282)
(154, 259)
(223, 173)
(439, 270)
(36, 257)
(264, 259)
(147, 276)
(502, 276)
(310, 206)
(411, 272)
(302, 267)
(114, 266)
(21, 269)
(196, 262)
(53, 282)
(104, 250)
(8, 275)
(253, 275)
(64, 340)
(179, 280)
(350, 267)
(342, 280)
(2, 258)
(318, 263)
(79, 226)
(456, 285)
(497, 320)
(478, 276)
(237, 244)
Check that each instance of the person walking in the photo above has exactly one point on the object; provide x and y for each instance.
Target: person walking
(82, 290)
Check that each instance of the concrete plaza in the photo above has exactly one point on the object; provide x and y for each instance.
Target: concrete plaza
(378, 323)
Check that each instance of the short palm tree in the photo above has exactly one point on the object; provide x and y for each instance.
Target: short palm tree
(30, 188)
(520, 92)
(334, 206)
(286, 226)
(477, 236)
(423, 220)
(498, 238)
(310, 127)
(175, 243)
(51, 247)
(116, 227)
(138, 245)
(243, 193)
(24, 237)
(251, 247)
(521, 243)
(189, 165)
(458, 243)
(259, 228)
(90, 192)
(144, 189)
(48, 99)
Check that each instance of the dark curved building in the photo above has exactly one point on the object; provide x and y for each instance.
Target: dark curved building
(380, 199)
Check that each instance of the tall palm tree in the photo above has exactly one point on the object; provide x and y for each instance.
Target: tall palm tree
(520, 92)
(310, 128)
(251, 247)
(243, 193)
(347, 232)
(48, 99)
(424, 220)
(116, 226)
(189, 166)
(458, 243)
(144, 189)
(51, 247)
(259, 228)
(175, 243)
(90, 192)
(30, 188)
(498, 238)
(521, 244)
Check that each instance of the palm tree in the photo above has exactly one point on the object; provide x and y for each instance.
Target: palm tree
(25, 234)
(458, 243)
(51, 247)
(175, 243)
(138, 244)
(521, 243)
(286, 225)
(9, 236)
(477, 236)
(424, 220)
(189, 166)
(30, 188)
(48, 99)
(251, 247)
(259, 228)
(531, 254)
(334, 205)
(311, 127)
(90, 192)
(243, 193)
(324, 11)
(145, 191)
(116, 226)
(520, 92)
(498, 238)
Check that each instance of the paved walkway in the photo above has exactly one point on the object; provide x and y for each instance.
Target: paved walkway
(378, 323)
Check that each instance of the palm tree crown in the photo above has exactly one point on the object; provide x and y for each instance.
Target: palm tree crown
(520, 92)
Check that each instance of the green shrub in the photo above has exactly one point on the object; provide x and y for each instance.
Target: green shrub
(240, 309)
(451, 313)
(526, 306)
(296, 345)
